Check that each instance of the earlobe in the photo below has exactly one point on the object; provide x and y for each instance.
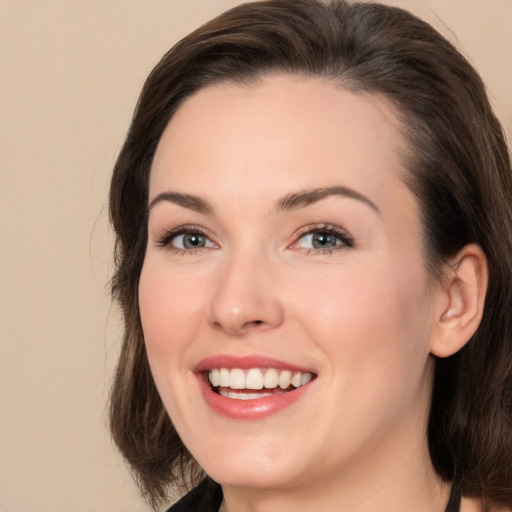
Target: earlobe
(460, 303)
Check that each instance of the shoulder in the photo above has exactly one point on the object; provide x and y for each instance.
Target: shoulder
(206, 497)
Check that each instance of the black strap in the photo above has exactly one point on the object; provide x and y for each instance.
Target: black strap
(455, 497)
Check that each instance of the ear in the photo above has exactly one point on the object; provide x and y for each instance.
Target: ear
(460, 301)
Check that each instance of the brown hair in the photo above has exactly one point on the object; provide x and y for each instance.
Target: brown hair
(459, 170)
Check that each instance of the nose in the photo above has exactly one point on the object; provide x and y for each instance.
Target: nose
(246, 297)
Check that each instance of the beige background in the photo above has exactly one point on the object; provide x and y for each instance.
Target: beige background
(70, 75)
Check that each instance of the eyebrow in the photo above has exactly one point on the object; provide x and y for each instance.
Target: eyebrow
(292, 201)
(304, 198)
(186, 200)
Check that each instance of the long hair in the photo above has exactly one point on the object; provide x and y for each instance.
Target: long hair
(458, 168)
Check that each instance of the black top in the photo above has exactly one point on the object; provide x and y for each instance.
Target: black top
(207, 497)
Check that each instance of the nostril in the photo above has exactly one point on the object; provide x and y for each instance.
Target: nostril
(253, 323)
(240, 328)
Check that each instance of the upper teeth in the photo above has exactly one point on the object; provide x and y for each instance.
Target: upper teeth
(256, 378)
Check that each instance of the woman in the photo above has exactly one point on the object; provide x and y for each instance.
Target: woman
(313, 230)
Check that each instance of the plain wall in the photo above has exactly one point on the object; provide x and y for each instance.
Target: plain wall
(70, 73)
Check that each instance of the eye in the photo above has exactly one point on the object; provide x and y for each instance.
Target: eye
(190, 241)
(319, 240)
(185, 240)
(323, 239)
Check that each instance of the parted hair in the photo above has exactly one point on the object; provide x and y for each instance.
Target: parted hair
(458, 167)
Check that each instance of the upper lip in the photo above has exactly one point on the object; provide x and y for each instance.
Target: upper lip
(247, 362)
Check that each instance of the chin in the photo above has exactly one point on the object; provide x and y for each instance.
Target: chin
(255, 474)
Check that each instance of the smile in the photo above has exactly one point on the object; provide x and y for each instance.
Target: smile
(240, 384)
(252, 387)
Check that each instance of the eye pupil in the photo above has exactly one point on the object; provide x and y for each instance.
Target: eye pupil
(323, 240)
(193, 240)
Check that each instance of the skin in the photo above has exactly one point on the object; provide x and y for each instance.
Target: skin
(364, 318)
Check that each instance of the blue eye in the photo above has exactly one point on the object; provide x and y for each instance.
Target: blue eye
(190, 240)
(186, 239)
(323, 239)
(319, 240)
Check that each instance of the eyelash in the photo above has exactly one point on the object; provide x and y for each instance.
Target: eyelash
(346, 240)
(167, 238)
(341, 235)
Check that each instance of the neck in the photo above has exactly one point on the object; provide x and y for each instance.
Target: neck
(395, 483)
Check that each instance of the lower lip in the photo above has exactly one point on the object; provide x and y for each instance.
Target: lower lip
(256, 409)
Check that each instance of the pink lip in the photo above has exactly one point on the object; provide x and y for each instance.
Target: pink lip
(244, 363)
(256, 409)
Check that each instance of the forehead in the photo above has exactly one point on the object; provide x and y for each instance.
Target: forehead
(282, 131)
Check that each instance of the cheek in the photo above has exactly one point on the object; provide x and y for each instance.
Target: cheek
(169, 305)
(368, 316)
(170, 312)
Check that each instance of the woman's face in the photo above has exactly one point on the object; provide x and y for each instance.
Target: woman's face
(285, 256)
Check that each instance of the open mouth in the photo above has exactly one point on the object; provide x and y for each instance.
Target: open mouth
(255, 383)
